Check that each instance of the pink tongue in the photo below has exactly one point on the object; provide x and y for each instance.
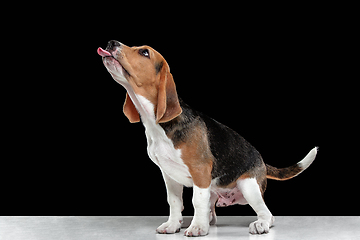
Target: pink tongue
(103, 52)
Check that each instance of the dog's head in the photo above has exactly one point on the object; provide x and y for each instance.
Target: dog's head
(145, 72)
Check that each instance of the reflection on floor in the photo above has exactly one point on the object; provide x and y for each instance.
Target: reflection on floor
(103, 228)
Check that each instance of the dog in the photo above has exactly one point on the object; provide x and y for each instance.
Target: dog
(190, 148)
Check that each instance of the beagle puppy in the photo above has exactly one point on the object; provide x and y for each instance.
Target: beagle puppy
(190, 148)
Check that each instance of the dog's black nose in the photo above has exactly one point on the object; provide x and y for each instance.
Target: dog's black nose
(112, 44)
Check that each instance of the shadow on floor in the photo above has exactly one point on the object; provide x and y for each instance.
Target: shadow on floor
(231, 221)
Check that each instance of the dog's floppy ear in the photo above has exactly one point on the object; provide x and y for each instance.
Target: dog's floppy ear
(130, 111)
(168, 106)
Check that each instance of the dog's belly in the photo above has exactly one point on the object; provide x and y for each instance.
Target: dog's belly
(229, 197)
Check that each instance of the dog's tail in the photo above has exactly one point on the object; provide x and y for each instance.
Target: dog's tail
(290, 172)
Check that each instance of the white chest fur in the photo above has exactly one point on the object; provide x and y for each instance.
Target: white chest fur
(160, 148)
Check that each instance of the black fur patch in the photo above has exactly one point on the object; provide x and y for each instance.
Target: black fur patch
(233, 154)
(178, 128)
(283, 173)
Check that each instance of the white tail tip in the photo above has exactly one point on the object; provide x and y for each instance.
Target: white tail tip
(308, 159)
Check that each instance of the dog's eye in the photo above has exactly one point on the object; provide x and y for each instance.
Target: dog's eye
(144, 52)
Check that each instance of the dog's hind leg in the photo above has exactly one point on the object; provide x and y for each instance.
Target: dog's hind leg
(213, 198)
(251, 192)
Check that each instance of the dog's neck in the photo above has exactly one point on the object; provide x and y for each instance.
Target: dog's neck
(172, 129)
(145, 108)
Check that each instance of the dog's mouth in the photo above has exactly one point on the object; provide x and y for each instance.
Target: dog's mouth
(105, 53)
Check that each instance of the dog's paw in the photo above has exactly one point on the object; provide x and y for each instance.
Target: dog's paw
(259, 227)
(169, 227)
(196, 230)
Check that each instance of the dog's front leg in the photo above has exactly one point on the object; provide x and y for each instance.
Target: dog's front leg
(174, 198)
(200, 223)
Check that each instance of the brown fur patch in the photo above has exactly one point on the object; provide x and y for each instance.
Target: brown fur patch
(196, 154)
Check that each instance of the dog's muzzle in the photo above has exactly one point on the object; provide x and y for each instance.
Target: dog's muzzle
(110, 47)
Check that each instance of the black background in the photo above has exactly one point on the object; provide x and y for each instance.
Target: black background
(277, 79)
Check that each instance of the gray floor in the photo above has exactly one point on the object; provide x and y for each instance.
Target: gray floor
(103, 228)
